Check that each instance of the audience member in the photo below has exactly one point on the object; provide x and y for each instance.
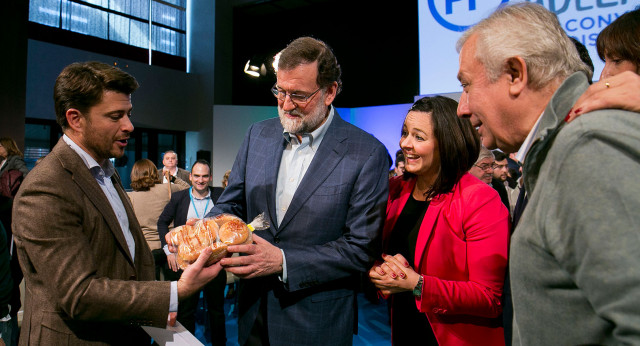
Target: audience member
(484, 165)
(323, 188)
(618, 45)
(499, 180)
(185, 205)
(225, 178)
(12, 172)
(451, 228)
(399, 169)
(89, 274)
(148, 199)
(8, 323)
(619, 83)
(170, 162)
(501, 170)
(575, 275)
(11, 157)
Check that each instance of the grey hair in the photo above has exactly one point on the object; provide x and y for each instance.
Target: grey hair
(169, 152)
(484, 153)
(531, 32)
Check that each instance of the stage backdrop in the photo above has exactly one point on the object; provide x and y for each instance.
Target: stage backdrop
(442, 22)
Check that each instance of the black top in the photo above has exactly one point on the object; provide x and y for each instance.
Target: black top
(408, 325)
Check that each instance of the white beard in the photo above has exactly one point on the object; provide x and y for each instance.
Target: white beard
(304, 123)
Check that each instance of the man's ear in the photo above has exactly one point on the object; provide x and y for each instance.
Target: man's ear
(332, 91)
(516, 69)
(75, 119)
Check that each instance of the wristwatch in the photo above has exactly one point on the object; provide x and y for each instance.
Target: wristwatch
(417, 291)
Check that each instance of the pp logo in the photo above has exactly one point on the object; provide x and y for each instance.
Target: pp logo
(459, 15)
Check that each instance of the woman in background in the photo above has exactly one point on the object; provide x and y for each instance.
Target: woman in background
(618, 46)
(11, 157)
(225, 179)
(149, 197)
(446, 234)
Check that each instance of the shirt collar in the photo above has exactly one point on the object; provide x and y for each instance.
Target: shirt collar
(317, 135)
(200, 199)
(526, 145)
(106, 169)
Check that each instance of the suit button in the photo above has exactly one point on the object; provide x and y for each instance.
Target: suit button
(276, 240)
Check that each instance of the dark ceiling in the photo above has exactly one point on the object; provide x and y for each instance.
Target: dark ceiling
(376, 43)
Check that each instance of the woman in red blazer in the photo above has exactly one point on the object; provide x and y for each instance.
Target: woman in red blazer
(448, 225)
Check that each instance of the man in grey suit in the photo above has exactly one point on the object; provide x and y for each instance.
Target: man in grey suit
(323, 185)
(89, 274)
(574, 266)
(170, 168)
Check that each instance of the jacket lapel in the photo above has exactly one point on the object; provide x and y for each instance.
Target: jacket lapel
(88, 184)
(427, 227)
(329, 154)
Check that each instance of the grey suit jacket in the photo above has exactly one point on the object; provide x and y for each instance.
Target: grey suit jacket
(574, 266)
(82, 286)
(330, 233)
(182, 174)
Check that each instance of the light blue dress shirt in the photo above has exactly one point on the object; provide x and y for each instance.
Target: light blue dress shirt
(296, 158)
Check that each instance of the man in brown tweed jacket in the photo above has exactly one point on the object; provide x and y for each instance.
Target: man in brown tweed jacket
(88, 270)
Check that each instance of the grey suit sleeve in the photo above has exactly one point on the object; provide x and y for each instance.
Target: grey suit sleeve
(593, 222)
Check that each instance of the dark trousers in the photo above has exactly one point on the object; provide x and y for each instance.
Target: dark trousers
(160, 259)
(214, 303)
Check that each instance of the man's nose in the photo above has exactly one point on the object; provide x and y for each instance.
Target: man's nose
(463, 106)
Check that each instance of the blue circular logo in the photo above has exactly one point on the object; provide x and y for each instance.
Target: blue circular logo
(449, 9)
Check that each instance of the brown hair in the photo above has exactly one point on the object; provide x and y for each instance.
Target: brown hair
(458, 142)
(305, 50)
(144, 175)
(82, 85)
(621, 39)
(225, 178)
(10, 146)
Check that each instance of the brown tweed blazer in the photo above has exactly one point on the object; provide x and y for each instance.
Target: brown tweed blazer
(82, 287)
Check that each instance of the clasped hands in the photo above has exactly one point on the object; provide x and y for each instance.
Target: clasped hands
(394, 275)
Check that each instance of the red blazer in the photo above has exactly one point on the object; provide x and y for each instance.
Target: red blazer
(462, 253)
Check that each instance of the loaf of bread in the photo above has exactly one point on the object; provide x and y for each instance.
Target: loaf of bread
(216, 233)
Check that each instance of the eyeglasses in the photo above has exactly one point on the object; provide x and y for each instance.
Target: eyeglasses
(487, 167)
(295, 98)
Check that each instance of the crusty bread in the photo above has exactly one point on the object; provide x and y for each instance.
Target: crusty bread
(216, 233)
(234, 232)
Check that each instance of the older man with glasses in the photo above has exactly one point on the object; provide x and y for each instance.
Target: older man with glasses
(484, 169)
(484, 166)
(323, 185)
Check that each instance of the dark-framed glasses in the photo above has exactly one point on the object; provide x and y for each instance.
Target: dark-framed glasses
(298, 99)
(486, 167)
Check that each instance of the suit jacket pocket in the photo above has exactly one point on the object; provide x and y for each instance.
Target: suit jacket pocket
(53, 330)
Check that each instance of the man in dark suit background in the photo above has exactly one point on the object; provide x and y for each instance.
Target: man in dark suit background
(195, 202)
(323, 184)
(89, 274)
